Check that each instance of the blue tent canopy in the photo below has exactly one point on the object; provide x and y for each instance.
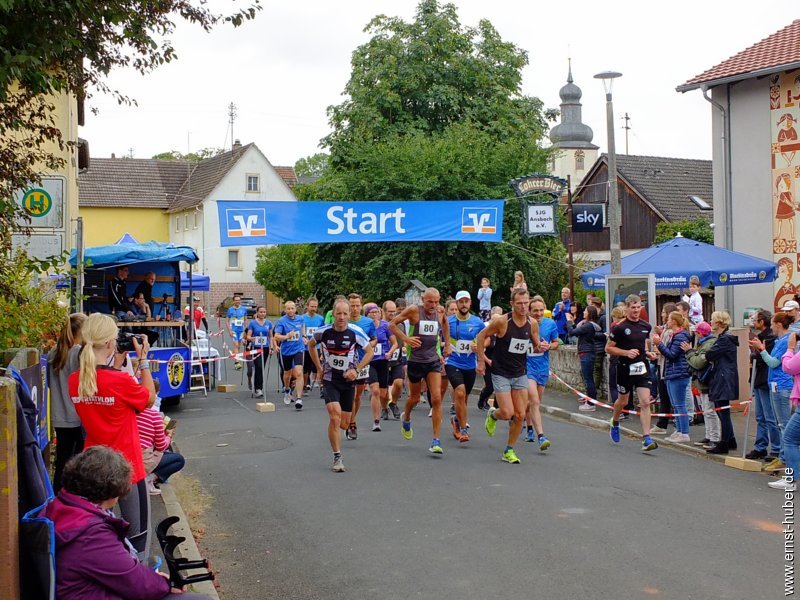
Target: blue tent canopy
(120, 254)
(677, 260)
(127, 239)
(200, 283)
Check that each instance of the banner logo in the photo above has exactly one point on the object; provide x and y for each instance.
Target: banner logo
(479, 220)
(246, 222)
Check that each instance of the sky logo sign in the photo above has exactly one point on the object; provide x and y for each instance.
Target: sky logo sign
(246, 222)
(478, 220)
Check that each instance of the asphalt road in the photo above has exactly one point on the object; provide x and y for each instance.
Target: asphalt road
(588, 519)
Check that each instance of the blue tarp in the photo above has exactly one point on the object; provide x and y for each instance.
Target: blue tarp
(127, 239)
(200, 283)
(675, 261)
(119, 254)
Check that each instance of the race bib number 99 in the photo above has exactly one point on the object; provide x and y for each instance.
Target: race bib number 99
(518, 346)
(338, 362)
(428, 327)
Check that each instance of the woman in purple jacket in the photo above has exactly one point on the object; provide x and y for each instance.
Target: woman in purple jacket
(93, 557)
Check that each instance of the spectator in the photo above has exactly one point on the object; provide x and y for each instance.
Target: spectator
(695, 301)
(575, 315)
(560, 312)
(662, 393)
(61, 362)
(600, 355)
(198, 313)
(485, 299)
(723, 386)
(780, 383)
(119, 302)
(587, 332)
(107, 401)
(676, 372)
(159, 461)
(768, 436)
(791, 434)
(698, 362)
(146, 288)
(519, 282)
(93, 559)
(792, 308)
(141, 311)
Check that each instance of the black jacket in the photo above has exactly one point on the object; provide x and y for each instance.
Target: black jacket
(118, 295)
(762, 370)
(724, 384)
(589, 335)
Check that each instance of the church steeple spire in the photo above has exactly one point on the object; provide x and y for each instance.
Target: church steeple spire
(571, 132)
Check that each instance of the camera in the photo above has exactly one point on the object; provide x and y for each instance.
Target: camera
(125, 341)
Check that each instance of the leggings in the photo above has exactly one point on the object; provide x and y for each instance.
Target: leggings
(69, 442)
(135, 509)
(488, 386)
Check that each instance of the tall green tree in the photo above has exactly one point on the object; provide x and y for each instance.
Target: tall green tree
(435, 112)
(699, 230)
(197, 156)
(311, 166)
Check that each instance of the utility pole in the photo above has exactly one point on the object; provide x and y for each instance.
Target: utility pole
(231, 118)
(570, 240)
(79, 266)
(627, 128)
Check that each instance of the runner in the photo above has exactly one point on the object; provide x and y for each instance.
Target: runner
(627, 341)
(450, 309)
(312, 321)
(397, 363)
(368, 327)
(515, 331)
(538, 364)
(379, 366)
(259, 335)
(424, 362)
(290, 331)
(237, 322)
(461, 364)
(338, 344)
(488, 389)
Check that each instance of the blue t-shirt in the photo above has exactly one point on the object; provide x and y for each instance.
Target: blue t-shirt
(237, 317)
(776, 374)
(464, 331)
(287, 326)
(366, 325)
(260, 331)
(539, 362)
(312, 324)
(382, 334)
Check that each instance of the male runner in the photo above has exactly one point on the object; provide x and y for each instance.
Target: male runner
(368, 327)
(397, 363)
(514, 332)
(538, 364)
(259, 334)
(338, 343)
(460, 367)
(237, 322)
(290, 331)
(425, 321)
(627, 340)
(313, 321)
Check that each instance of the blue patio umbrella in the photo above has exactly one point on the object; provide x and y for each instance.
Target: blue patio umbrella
(677, 260)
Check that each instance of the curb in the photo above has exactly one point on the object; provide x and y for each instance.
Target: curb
(187, 549)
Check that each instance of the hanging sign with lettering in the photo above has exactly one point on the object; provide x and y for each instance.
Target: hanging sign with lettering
(258, 223)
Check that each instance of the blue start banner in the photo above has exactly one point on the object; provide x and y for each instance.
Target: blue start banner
(259, 223)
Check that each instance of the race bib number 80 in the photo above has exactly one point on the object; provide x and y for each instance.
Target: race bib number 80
(428, 327)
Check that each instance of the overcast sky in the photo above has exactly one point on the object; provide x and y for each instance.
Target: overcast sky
(284, 69)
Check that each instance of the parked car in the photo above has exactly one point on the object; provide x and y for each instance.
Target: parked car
(248, 303)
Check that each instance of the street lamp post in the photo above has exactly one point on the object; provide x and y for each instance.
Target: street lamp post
(614, 213)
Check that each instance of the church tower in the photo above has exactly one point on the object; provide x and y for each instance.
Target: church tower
(575, 152)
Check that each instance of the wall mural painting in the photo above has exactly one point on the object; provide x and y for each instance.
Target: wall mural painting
(784, 103)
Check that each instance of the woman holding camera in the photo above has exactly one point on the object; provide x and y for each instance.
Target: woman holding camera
(107, 400)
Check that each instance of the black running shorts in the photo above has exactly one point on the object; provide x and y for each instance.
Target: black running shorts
(418, 371)
(288, 361)
(379, 373)
(341, 392)
(459, 377)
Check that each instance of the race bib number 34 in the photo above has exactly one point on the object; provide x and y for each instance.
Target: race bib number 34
(464, 346)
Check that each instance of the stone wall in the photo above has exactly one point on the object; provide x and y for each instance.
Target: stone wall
(565, 363)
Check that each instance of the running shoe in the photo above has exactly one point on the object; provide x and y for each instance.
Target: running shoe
(352, 432)
(408, 433)
(376, 426)
(287, 397)
(307, 388)
(436, 447)
(338, 465)
(299, 404)
(656, 430)
(385, 414)
(430, 413)
(614, 431)
(491, 423)
(544, 443)
(587, 407)
(648, 444)
(456, 428)
(510, 457)
(395, 411)
(237, 365)
(530, 436)
(774, 466)
(783, 485)
(464, 436)
(259, 394)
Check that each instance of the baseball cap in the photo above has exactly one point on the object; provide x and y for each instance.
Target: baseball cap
(703, 328)
(790, 305)
(463, 294)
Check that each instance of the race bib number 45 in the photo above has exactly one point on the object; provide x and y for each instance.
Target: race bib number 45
(518, 346)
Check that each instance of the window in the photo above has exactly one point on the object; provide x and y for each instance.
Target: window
(233, 260)
(252, 183)
(579, 158)
(196, 219)
(177, 223)
(186, 222)
(700, 203)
